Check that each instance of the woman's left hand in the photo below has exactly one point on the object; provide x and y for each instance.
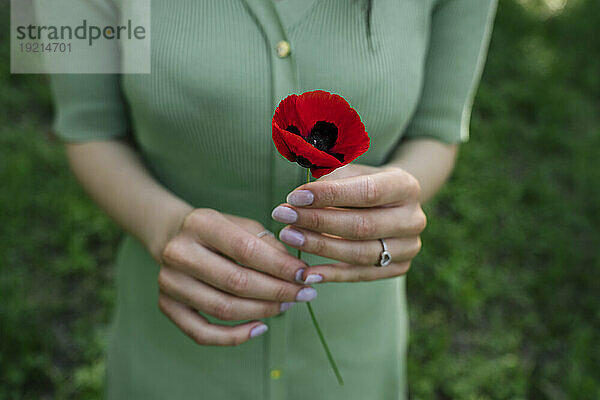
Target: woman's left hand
(342, 215)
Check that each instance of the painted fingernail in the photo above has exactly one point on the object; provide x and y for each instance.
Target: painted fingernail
(313, 278)
(306, 294)
(284, 214)
(291, 237)
(298, 276)
(286, 306)
(300, 198)
(258, 330)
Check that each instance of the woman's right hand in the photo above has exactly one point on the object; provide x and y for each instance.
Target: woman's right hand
(200, 272)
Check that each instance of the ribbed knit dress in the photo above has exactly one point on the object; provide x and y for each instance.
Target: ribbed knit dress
(202, 123)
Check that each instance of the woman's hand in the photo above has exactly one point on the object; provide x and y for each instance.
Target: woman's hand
(342, 216)
(198, 249)
(199, 272)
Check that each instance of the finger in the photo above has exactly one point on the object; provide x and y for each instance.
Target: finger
(363, 252)
(220, 233)
(254, 227)
(272, 241)
(209, 300)
(371, 223)
(390, 186)
(344, 272)
(204, 333)
(189, 257)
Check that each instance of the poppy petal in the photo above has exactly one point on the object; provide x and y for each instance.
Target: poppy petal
(300, 148)
(286, 114)
(319, 105)
(280, 144)
(352, 150)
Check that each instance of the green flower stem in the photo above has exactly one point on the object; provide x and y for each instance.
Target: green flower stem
(316, 324)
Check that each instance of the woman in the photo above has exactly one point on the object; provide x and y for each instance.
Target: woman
(182, 160)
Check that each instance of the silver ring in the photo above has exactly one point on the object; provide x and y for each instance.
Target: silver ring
(385, 258)
(264, 233)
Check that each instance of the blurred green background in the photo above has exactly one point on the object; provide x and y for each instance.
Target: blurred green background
(504, 298)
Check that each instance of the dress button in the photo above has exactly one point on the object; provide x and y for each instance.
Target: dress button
(275, 374)
(283, 48)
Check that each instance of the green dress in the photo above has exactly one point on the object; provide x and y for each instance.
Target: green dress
(202, 122)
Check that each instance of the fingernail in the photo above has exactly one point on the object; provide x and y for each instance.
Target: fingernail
(291, 236)
(284, 214)
(258, 330)
(306, 294)
(300, 198)
(313, 278)
(286, 306)
(299, 275)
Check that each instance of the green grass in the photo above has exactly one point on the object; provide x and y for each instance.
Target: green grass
(504, 298)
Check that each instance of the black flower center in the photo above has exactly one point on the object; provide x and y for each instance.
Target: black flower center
(323, 135)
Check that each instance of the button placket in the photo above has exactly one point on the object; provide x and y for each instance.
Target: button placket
(284, 177)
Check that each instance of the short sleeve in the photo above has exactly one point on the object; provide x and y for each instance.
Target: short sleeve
(459, 39)
(88, 107)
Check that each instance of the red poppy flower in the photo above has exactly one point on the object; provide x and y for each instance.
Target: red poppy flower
(318, 130)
